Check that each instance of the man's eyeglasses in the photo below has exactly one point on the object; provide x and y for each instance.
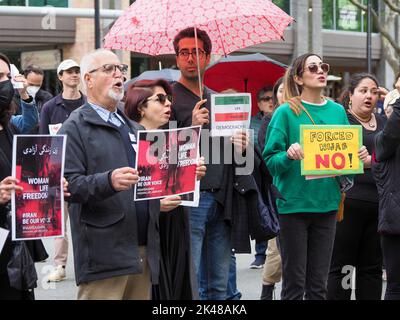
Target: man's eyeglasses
(161, 97)
(111, 68)
(186, 53)
(266, 99)
(313, 67)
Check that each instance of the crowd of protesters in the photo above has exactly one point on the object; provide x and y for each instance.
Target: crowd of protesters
(161, 250)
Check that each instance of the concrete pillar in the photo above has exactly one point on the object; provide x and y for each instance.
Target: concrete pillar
(316, 30)
(301, 35)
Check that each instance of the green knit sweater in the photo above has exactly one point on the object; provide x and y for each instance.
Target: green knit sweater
(300, 195)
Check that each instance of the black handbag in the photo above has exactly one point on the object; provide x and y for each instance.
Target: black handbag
(268, 227)
(21, 268)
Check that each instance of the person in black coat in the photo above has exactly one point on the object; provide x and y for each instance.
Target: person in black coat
(386, 170)
(357, 241)
(8, 184)
(148, 103)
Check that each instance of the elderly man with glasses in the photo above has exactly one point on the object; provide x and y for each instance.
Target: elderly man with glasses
(112, 254)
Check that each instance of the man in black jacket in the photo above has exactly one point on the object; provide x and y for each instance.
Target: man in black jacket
(116, 245)
(211, 221)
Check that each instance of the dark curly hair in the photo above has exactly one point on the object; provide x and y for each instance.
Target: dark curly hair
(189, 33)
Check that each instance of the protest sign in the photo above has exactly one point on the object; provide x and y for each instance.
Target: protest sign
(330, 149)
(38, 210)
(230, 113)
(3, 238)
(166, 161)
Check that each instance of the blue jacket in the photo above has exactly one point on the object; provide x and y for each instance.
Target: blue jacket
(29, 118)
(54, 112)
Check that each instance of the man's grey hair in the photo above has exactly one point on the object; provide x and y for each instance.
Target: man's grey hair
(88, 62)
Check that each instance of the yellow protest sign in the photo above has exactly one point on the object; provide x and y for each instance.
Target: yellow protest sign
(331, 149)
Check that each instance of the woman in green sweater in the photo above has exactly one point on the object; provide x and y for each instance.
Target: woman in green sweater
(308, 211)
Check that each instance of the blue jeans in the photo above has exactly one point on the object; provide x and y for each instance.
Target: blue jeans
(232, 292)
(211, 248)
(261, 248)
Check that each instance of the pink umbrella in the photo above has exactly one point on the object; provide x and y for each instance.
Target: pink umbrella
(150, 26)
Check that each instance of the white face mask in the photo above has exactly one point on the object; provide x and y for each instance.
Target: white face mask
(32, 90)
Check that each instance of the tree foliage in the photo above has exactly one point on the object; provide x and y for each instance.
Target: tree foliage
(385, 25)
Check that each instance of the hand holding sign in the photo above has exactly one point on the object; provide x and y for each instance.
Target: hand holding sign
(200, 115)
(364, 156)
(124, 178)
(200, 169)
(240, 141)
(295, 152)
(65, 188)
(6, 187)
(23, 84)
(170, 203)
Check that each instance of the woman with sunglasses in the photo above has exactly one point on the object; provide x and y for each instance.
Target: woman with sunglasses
(149, 104)
(357, 241)
(307, 212)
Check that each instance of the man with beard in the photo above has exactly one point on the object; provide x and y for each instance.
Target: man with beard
(113, 259)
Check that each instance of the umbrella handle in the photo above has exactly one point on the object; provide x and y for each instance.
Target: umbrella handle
(198, 64)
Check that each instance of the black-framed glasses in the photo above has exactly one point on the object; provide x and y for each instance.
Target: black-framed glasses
(162, 98)
(313, 67)
(111, 68)
(184, 53)
(266, 99)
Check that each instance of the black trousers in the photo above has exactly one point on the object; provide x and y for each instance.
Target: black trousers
(306, 243)
(357, 245)
(391, 253)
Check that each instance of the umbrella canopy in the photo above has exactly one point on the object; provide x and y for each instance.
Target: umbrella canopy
(150, 26)
(245, 73)
(170, 75)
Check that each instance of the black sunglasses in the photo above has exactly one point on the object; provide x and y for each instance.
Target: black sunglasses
(313, 67)
(266, 99)
(161, 97)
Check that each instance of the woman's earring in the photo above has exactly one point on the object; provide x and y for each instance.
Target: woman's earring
(350, 104)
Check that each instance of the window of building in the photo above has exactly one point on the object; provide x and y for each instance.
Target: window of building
(35, 3)
(343, 15)
(283, 4)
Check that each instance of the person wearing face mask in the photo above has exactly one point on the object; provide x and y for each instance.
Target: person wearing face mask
(8, 184)
(35, 76)
(29, 118)
(357, 241)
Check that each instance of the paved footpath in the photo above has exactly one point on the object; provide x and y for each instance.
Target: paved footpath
(248, 280)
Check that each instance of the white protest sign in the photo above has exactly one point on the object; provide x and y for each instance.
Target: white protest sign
(14, 72)
(3, 237)
(230, 113)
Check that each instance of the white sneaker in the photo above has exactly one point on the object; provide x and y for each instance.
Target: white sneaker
(57, 275)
